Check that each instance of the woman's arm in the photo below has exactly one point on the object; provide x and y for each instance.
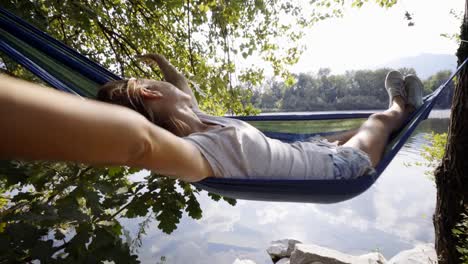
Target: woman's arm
(172, 75)
(40, 123)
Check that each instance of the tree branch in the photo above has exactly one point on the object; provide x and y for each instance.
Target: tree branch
(189, 30)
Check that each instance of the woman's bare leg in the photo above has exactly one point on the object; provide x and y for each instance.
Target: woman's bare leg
(373, 135)
(341, 138)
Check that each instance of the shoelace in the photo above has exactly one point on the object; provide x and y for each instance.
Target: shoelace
(403, 91)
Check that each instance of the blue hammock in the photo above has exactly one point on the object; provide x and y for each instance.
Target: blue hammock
(67, 70)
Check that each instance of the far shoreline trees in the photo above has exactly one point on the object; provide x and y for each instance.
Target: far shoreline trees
(353, 90)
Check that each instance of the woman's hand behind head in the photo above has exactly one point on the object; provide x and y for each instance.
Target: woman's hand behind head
(171, 74)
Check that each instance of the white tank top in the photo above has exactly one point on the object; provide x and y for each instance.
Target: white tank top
(239, 150)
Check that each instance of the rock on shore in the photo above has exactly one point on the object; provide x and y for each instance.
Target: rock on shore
(290, 251)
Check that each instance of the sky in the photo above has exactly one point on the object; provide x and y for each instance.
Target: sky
(371, 36)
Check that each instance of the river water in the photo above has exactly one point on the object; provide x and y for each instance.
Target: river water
(393, 215)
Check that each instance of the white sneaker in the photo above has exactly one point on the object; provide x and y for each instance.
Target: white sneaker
(414, 89)
(394, 84)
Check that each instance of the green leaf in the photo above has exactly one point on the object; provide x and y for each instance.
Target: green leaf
(230, 201)
(43, 251)
(214, 197)
(115, 170)
(193, 207)
(59, 234)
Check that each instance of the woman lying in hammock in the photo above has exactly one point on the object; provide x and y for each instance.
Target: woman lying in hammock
(231, 148)
(45, 124)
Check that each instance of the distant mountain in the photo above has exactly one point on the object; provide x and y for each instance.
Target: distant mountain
(425, 64)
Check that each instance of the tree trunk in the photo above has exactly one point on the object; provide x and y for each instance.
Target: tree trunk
(452, 174)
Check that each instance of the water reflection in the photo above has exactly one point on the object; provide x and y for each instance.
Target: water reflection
(391, 216)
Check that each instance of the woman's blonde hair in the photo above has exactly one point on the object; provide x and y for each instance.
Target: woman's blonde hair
(125, 93)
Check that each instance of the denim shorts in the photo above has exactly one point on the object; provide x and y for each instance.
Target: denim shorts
(348, 162)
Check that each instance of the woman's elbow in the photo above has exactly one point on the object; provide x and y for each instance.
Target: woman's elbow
(142, 148)
(158, 150)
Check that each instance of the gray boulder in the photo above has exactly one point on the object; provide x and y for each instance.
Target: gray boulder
(283, 261)
(313, 254)
(421, 254)
(281, 248)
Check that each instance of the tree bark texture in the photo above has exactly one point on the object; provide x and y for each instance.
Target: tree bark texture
(452, 174)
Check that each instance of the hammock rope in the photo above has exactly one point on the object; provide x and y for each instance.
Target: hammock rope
(67, 70)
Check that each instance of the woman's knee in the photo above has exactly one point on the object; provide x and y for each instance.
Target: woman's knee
(379, 117)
